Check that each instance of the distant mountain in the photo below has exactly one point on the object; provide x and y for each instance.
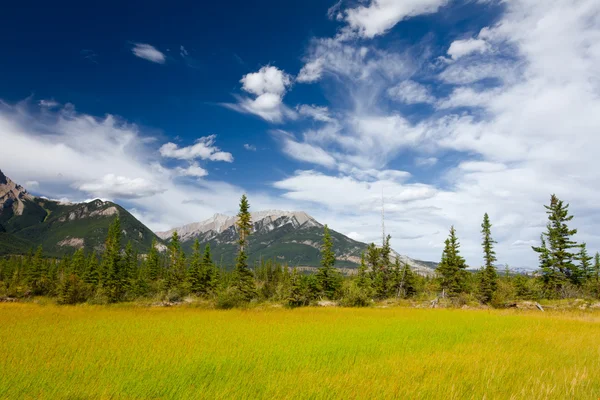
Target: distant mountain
(27, 221)
(286, 236)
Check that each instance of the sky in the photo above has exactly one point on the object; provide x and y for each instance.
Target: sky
(445, 109)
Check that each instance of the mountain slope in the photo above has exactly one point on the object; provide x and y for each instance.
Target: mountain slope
(27, 221)
(292, 237)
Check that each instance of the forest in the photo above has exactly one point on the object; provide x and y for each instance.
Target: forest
(120, 274)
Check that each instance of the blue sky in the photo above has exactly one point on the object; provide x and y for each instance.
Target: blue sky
(451, 108)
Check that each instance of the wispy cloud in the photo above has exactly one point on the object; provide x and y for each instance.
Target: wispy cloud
(148, 52)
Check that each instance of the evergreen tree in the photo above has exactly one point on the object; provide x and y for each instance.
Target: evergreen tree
(194, 273)
(112, 262)
(243, 280)
(489, 276)
(452, 267)
(585, 261)
(328, 276)
(363, 281)
(153, 262)
(597, 267)
(556, 258)
(35, 274)
(210, 273)
(297, 295)
(91, 275)
(79, 262)
(406, 285)
(129, 268)
(176, 269)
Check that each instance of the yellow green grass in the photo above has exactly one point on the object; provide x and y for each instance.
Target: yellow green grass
(81, 352)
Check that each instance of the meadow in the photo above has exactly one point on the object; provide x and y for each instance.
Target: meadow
(132, 352)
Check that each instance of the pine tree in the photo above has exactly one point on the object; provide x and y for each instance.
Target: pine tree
(243, 280)
(153, 262)
(556, 258)
(597, 267)
(194, 273)
(34, 272)
(363, 281)
(79, 262)
(452, 267)
(210, 273)
(328, 276)
(406, 285)
(489, 276)
(129, 268)
(176, 269)
(91, 275)
(112, 262)
(297, 295)
(585, 261)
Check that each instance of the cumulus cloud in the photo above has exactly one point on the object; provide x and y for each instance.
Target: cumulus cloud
(249, 147)
(193, 170)
(203, 149)
(268, 85)
(148, 52)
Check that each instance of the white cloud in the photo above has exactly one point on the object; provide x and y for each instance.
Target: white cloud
(249, 147)
(268, 79)
(311, 71)
(193, 170)
(318, 113)
(464, 47)
(148, 52)
(269, 85)
(203, 149)
(303, 151)
(411, 92)
(113, 186)
(31, 185)
(183, 52)
(379, 16)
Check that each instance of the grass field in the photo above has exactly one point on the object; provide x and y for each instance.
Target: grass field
(50, 352)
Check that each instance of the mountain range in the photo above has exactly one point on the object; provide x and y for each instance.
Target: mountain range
(292, 237)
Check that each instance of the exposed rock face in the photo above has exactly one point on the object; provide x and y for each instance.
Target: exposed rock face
(12, 195)
(264, 221)
(72, 242)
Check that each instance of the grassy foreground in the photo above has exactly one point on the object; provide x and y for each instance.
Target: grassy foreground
(81, 352)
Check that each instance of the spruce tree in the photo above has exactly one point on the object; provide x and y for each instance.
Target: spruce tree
(129, 268)
(597, 267)
(297, 295)
(363, 281)
(242, 279)
(452, 267)
(556, 258)
(489, 276)
(177, 268)
(327, 275)
(194, 273)
(209, 272)
(153, 262)
(91, 275)
(35, 273)
(112, 262)
(585, 263)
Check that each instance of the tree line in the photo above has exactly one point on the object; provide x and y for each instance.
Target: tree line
(121, 274)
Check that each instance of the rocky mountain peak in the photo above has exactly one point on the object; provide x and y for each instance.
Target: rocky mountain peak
(219, 223)
(12, 195)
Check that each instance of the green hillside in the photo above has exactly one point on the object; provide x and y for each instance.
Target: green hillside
(62, 228)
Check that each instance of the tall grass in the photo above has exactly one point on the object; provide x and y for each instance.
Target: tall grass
(49, 352)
